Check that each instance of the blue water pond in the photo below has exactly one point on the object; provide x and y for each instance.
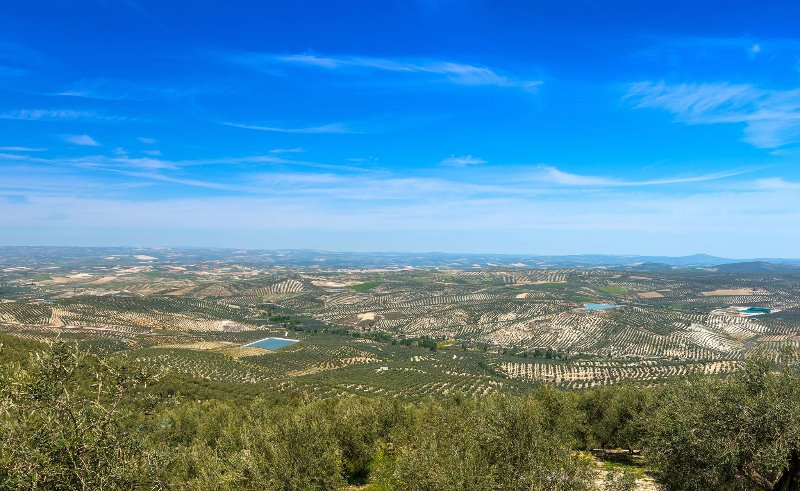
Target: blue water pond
(756, 310)
(599, 306)
(272, 343)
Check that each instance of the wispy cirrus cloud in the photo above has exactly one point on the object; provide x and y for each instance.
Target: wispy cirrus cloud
(58, 115)
(340, 128)
(461, 161)
(22, 149)
(287, 150)
(457, 73)
(122, 90)
(545, 173)
(47, 114)
(771, 118)
(357, 182)
(120, 160)
(82, 140)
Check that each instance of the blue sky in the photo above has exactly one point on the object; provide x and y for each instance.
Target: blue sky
(553, 127)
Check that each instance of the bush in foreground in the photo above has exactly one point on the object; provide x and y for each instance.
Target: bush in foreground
(738, 433)
(65, 423)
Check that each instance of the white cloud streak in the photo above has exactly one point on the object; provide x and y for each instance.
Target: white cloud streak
(336, 128)
(47, 115)
(287, 150)
(553, 175)
(22, 149)
(457, 73)
(461, 161)
(771, 118)
(82, 140)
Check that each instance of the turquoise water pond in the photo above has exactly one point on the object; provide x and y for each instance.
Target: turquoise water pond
(599, 306)
(272, 343)
(756, 310)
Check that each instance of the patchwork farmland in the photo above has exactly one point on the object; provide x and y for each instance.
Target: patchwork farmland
(403, 330)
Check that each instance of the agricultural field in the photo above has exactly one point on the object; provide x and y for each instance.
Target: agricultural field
(409, 327)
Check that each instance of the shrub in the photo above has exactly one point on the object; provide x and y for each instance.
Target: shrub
(494, 443)
(739, 433)
(64, 424)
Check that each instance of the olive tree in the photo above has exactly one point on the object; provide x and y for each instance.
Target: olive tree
(492, 443)
(65, 423)
(738, 433)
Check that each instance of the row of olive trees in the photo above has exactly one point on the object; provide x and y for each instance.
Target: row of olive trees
(69, 420)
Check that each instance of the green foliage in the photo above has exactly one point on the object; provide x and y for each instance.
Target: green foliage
(613, 416)
(423, 342)
(739, 433)
(620, 481)
(490, 443)
(316, 445)
(261, 446)
(360, 425)
(14, 349)
(72, 420)
(363, 287)
(612, 289)
(64, 424)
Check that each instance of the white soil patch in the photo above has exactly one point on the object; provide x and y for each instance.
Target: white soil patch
(734, 292)
(366, 316)
(60, 280)
(650, 295)
(180, 292)
(521, 295)
(334, 284)
(103, 280)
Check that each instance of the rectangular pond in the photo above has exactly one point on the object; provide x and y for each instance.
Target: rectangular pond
(272, 343)
(599, 306)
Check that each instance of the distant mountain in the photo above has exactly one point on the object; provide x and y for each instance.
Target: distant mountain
(99, 256)
(756, 267)
(653, 267)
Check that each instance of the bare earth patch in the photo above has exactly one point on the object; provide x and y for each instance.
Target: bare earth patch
(650, 295)
(201, 345)
(103, 280)
(243, 351)
(334, 284)
(734, 292)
